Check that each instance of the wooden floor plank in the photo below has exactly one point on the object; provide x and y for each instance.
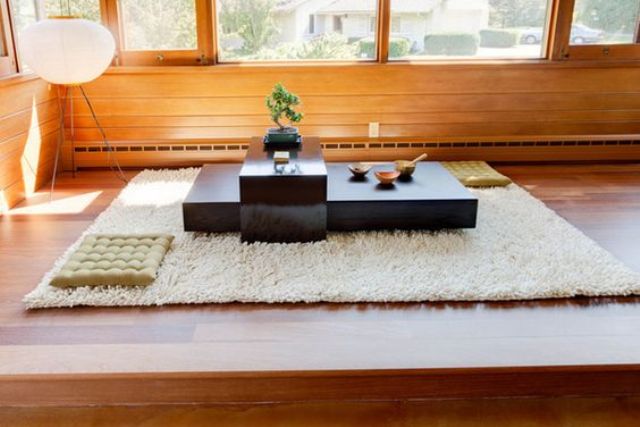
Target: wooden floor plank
(601, 200)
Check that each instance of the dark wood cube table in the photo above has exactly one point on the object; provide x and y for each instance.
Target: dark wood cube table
(285, 202)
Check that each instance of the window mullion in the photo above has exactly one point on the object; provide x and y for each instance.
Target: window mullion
(384, 30)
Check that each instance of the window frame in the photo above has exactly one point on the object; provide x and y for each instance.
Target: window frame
(545, 48)
(202, 55)
(293, 62)
(8, 63)
(558, 47)
(564, 50)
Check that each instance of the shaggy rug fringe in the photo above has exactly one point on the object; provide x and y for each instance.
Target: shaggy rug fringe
(520, 250)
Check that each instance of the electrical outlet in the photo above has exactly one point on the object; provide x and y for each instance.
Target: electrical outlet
(374, 130)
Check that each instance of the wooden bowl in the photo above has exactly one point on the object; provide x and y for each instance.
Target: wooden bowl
(387, 177)
(359, 170)
(405, 167)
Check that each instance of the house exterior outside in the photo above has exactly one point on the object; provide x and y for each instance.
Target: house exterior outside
(356, 19)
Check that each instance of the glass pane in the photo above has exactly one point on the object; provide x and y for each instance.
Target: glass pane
(605, 21)
(87, 9)
(26, 12)
(445, 29)
(23, 13)
(255, 30)
(159, 24)
(3, 44)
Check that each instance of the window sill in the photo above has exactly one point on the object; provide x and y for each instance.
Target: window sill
(443, 64)
(18, 78)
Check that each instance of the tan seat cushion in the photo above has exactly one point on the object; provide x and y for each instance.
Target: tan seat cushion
(114, 260)
(476, 174)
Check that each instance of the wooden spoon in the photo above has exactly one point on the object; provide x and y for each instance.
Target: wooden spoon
(417, 159)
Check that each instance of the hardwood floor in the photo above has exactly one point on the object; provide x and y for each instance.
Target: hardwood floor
(319, 352)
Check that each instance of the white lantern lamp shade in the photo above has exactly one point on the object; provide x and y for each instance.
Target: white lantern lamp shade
(67, 50)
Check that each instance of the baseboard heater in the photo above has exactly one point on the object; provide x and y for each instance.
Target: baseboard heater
(146, 147)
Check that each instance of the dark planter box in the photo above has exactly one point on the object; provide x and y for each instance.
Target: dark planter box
(286, 136)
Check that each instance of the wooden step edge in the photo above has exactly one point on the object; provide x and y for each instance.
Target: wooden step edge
(292, 386)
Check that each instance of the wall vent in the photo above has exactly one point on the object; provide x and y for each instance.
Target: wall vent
(120, 147)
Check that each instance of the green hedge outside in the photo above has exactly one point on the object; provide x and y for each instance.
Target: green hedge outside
(398, 47)
(498, 38)
(452, 44)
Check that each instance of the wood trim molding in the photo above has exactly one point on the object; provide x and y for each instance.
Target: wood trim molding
(288, 386)
(560, 28)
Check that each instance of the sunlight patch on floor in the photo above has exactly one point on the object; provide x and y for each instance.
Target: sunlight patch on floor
(66, 205)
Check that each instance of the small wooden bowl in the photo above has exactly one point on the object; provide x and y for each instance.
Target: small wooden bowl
(405, 167)
(387, 177)
(359, 170)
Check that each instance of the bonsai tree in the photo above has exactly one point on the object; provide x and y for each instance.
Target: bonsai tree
(280, 103)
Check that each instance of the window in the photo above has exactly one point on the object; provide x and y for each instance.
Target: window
(86, 9)
(439, 29)
(7, 57)
(158, 25)
(162, 32)
(26, 12)
(258, 30)
(605, 22)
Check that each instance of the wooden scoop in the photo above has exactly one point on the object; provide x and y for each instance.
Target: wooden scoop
(417, 159)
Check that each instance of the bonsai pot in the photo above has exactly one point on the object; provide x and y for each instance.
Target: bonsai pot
(288, 135)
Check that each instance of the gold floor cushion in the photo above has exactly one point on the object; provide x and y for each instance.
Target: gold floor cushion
(476, 174)
(114, 260)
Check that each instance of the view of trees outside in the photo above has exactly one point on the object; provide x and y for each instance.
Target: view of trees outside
(159, 24)
(471, 28)
(346, 29)
(296, 29)
(26, 12)
(605, 21)
(86, 9)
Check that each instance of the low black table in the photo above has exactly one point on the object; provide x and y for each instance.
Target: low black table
(432, 199)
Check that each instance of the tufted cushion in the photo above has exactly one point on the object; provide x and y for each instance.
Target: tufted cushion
(105, 260)
(476, 174)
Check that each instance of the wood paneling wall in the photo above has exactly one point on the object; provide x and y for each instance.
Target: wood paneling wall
(412, 102)
(29, 124)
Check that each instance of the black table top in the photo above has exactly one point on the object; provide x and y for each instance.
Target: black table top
(430, 181)
(220, 183)
(307, 160)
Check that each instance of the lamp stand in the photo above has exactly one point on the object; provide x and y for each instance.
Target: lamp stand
(114, 165)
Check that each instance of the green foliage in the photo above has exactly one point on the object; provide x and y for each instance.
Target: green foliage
(153, 24)
(280, 103)
(398, 47)
(614, 16)
(250, 19)
(451, 44)
(517, 13)
(498, 38)
(326, 46)
(87, 9)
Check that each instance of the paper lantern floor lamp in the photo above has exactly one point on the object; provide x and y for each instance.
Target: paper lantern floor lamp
(69, 52)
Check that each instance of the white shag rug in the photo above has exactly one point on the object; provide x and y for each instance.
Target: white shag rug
(519, 250)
